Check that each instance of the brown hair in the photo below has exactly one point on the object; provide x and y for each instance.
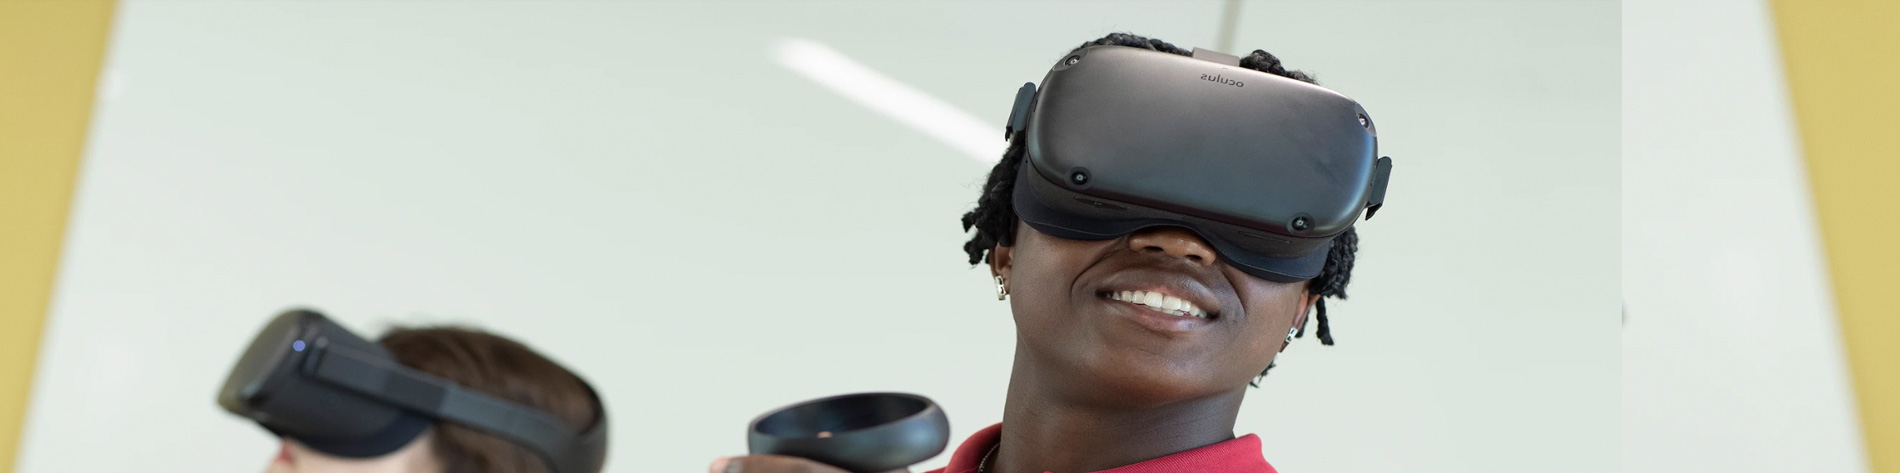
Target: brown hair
(500, 367)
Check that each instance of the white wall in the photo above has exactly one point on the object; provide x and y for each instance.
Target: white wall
(1732, 359)
(640, 191)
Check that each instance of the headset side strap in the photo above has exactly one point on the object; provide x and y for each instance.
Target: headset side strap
(435, 397)
(1019, 113)
(1381, 173)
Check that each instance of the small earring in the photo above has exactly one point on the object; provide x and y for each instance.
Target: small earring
(1290, 332)
(1002, 289)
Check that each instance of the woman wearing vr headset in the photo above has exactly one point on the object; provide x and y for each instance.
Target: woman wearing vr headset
(1091, 391)
(502, 378)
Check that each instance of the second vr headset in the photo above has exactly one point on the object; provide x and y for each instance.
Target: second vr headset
(1267, 169)
(307, 378)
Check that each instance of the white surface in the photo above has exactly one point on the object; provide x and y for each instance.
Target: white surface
(1732, 359)
(638, 190)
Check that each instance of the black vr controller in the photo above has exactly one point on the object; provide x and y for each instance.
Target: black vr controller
(307, 378)
(862, 433)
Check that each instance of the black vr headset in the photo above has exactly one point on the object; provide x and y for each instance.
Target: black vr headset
(310, 379)
(1267, 169)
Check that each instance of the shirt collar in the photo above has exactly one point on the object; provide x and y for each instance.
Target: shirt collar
(1241, 455)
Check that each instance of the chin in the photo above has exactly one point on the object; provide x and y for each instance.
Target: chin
(1146, 385)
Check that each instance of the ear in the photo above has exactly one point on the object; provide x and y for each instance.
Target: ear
(1307, 299)
(1000, 258)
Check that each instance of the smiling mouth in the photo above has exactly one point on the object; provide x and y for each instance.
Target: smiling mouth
(1162, 303)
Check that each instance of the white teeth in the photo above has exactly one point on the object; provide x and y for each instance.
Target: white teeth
(1160, 302)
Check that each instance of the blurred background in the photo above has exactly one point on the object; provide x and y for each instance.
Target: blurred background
(1758, 229)
(1617, 238)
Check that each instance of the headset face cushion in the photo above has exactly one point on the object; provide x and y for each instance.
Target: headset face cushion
(1272, 260)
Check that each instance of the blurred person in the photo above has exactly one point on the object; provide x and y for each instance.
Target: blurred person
(1088, 392)
(483, 362)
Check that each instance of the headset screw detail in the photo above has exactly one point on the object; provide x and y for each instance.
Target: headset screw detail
(1300, 223)
(1364, 122)
(1074, 59)
(1079, 177)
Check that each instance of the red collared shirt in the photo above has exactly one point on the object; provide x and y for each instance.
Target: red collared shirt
(1241, 455)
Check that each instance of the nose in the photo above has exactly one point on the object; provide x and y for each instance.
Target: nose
(1174, 241)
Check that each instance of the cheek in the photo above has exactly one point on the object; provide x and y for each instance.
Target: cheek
(1042, 301)
(1043, 273)
(1260, 340)
(282, 463)
(304, 460)
(1033, 293)
(1272, 309)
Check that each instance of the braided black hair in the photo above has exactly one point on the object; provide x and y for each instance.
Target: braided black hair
(995, 220)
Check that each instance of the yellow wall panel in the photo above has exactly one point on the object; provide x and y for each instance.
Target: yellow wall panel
(50, 54)
(1843, 65)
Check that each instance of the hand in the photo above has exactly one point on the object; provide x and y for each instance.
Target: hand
(776, 464)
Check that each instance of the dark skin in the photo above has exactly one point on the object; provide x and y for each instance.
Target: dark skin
(1099, 383)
